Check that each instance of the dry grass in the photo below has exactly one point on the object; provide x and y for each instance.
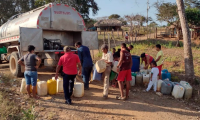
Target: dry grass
(10, 105)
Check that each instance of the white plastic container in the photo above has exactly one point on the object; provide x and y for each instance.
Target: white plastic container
(145, 79)
(78, 89)
(60, 85)
(115, 66)
(23, 86)
(159, 83)
(188, 89)
(178, 91)
(139, 79)
(143, 71)
(148, 71)
(132, 82)
(42, 88)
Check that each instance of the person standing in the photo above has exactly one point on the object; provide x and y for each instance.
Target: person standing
(29, 61)
(86, 62)
(126, 37)
(124, 69)
(154, 77)
(129, 48)
(113, 51)
(69, 61)
(147, 59)
(108, 57)
(159, 58)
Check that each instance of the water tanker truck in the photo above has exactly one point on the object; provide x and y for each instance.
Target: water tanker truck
(48, 28)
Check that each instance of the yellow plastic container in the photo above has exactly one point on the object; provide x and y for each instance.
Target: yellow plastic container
(51, 87)
(36, 86)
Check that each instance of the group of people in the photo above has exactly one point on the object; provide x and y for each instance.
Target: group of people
(69, 61)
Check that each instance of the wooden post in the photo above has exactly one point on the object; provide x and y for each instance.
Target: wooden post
(135, 36)
(122, 33)
(118, 32)
(109, 41)
(156, 32)
(112, 34)
(104, 37)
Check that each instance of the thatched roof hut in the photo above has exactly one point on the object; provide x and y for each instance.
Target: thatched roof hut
(108, 22)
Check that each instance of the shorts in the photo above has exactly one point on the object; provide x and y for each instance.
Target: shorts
(160, 69)
(125, 74)
(31, 77)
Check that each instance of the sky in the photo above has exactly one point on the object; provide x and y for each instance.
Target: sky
(127, 7)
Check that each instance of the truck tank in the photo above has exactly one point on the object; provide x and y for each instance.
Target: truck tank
(53, 17)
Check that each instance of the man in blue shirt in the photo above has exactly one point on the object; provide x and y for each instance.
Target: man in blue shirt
(86, 62)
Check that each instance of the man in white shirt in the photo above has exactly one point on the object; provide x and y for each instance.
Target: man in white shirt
(108, 57)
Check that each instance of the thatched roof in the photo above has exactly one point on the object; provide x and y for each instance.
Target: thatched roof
(108, 22)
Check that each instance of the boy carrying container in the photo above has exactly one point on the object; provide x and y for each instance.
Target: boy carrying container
(159, 59)
(154, 77)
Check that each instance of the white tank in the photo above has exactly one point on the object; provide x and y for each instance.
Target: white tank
(145, 79)
(148, 71)
(159, 83)
(178, 91)
(42, 88)
(23, 86)
(188, 89)
(143, 71)
(78, 89)
(115, 66)
(132, 82)
(60, 85)
(48, 17)
(139, 79)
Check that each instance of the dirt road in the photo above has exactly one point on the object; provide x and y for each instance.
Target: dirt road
(140, 106)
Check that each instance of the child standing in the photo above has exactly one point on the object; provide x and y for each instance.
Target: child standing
(159, 59)
(154, 77)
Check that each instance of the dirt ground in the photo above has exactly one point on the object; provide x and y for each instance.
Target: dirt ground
(140, 106)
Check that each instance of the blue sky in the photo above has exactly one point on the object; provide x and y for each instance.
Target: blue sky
(127, 7)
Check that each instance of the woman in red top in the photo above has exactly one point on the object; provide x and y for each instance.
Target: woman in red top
(147, 59)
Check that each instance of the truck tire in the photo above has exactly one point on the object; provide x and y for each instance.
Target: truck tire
(15, 68)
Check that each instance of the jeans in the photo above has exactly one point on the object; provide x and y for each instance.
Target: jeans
(68, 85)
(86, 71)
(31, 77)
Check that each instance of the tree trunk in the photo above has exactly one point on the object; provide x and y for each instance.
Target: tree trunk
(178, 37)
(189, 66)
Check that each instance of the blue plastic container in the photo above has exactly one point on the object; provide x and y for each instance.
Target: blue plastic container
(136, 63)
(169, 76)
(96, 75)
(165, 74)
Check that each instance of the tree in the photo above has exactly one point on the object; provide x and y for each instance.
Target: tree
(153, 24)
(192, 3)
(124, 22)
(189, 66)
(90, 23)
(114, 16)
(193, 16)
(168, 12)
(7, 10)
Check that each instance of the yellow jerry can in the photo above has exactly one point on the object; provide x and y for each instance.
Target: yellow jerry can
(51, 87)
(36, 86)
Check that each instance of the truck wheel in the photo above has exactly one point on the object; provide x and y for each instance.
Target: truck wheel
(15, 68)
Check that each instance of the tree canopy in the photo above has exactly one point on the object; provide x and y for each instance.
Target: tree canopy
(114, 16)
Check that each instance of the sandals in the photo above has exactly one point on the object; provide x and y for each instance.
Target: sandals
(120, 98)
